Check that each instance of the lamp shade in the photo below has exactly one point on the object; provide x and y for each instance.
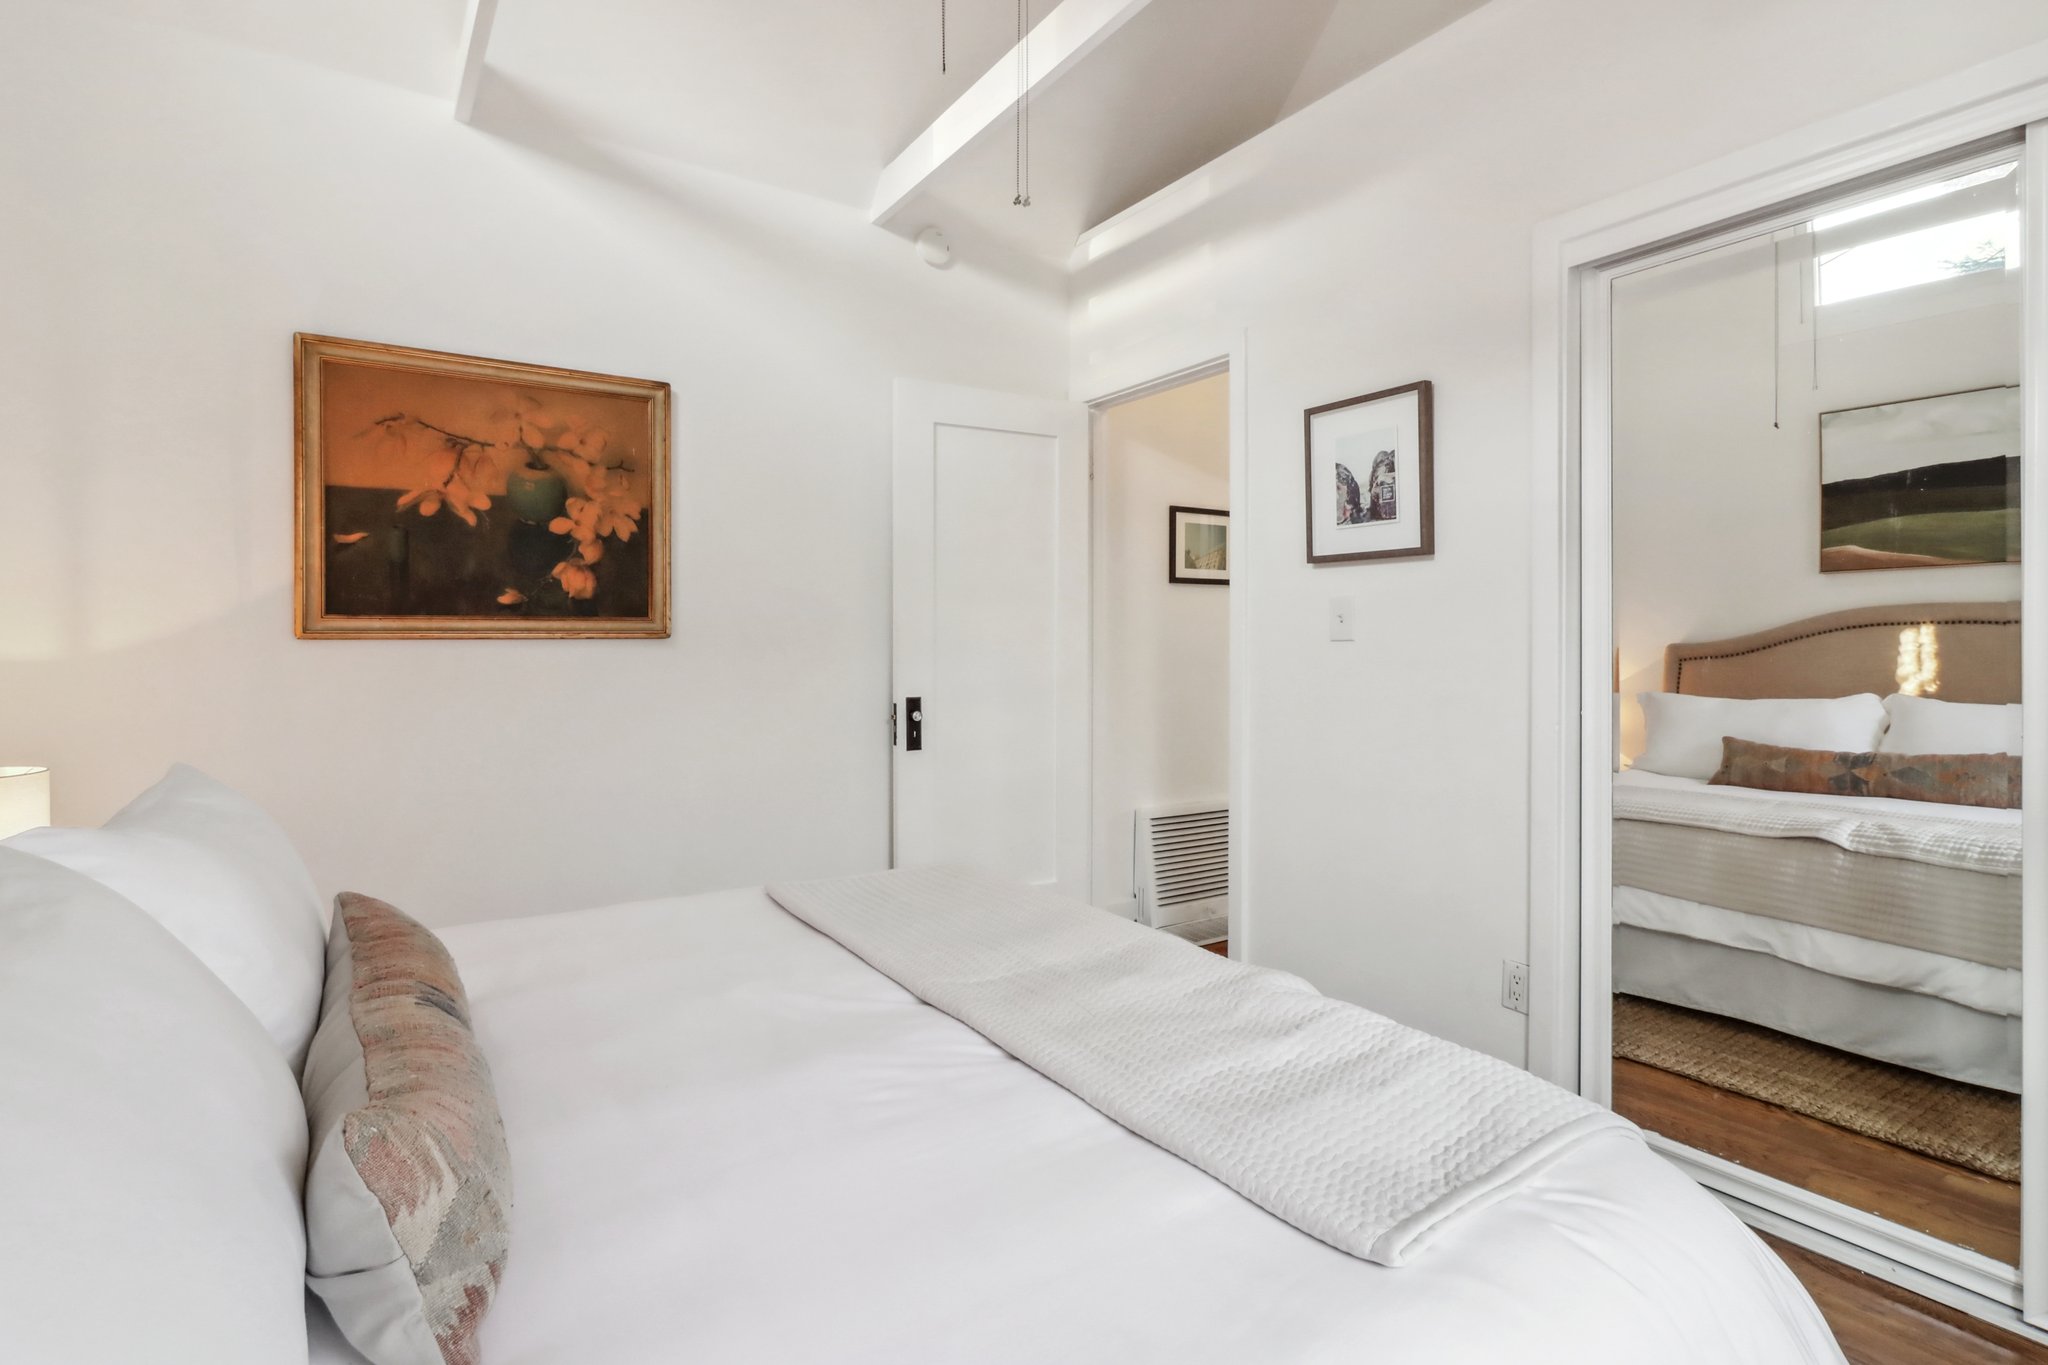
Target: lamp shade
(24, 799)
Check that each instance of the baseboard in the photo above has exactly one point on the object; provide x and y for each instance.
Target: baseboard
(1992, 1312)
(1962, 1280)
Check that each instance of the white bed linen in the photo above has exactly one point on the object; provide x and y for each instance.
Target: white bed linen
(1362, 1132)
(1993, 990)
(1945, 1015)
(1924, 1032)
(735, 1142)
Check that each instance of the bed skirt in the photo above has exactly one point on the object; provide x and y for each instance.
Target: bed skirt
(1903, 1027)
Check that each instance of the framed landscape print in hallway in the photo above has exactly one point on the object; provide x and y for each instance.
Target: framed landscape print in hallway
(1197, 545)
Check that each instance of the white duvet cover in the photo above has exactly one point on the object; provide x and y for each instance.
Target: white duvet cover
(1990, 990)
(734, 1142)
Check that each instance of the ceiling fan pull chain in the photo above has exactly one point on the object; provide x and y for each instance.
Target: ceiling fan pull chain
(1022, 154)
(942, 37)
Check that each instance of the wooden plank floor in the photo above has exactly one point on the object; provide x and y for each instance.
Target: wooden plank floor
(1938, 1198)
(1879, 1323)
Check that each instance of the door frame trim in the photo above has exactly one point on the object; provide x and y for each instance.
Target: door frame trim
(1188, 359)
(1570, 583)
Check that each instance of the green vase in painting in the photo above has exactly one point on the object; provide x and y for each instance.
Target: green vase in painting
(535, 493)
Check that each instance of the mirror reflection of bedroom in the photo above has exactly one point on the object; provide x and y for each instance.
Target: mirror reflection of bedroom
(1816, 581)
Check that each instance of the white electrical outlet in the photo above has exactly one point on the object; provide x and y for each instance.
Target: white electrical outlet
(1514, 986)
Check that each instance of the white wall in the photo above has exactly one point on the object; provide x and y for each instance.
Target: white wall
(1384, 236)
(1162, 649)
(1717, 469)
(175, 207)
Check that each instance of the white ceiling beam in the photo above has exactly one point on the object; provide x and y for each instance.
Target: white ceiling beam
(476, 37)
(1059, 42)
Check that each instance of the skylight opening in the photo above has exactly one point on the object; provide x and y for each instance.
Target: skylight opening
(1945, 251)
(1973, 243)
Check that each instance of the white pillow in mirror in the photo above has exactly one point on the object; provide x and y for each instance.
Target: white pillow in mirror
(152, 1144)
(1928, 725)
(1684, 733)
(207, 863)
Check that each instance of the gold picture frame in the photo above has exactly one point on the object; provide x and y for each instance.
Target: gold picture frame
(451, 497)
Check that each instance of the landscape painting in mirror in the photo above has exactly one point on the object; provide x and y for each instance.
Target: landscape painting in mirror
(1921, 483)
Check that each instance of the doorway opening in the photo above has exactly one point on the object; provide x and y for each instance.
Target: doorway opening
(1163, 551)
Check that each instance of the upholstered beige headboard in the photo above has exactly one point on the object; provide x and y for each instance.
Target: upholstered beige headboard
(1957, 651)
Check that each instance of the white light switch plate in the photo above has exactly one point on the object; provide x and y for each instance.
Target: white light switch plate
(1343, 610)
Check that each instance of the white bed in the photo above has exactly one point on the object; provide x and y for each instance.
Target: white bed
(1948, 1007)
(733, 1141)
(1933, 1011)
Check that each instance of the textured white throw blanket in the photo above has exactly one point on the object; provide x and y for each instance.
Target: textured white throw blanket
(1359, 1131)
(1965, 844)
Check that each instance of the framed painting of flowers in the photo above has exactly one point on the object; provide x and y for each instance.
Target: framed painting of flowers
(450, 497)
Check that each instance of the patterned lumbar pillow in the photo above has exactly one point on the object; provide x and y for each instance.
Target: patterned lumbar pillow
(1952, 779)
(409, 1192)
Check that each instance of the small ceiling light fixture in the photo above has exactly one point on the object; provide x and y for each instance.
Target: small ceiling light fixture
(933, 248)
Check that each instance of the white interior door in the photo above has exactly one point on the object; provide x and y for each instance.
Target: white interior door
(991, 634)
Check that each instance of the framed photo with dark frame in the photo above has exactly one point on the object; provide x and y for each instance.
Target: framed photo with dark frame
(1370, 492)
(1197, 545)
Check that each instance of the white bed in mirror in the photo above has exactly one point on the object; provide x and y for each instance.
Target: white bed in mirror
(1901, 958)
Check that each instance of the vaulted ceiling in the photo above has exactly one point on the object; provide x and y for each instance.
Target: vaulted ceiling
(1182, 82)
(821, 96)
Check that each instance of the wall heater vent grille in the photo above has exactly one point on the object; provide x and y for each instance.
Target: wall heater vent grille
(1183, 868)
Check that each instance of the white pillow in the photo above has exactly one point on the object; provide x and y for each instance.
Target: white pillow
(1684, 733)
(152, 1144)
(1924, 725)
(207, 864)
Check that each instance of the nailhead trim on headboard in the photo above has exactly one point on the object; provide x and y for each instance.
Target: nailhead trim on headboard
(1678, 677)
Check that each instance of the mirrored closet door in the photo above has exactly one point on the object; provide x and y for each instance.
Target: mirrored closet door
(1816, 978)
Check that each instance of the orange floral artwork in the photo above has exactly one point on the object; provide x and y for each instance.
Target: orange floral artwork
(451, 496)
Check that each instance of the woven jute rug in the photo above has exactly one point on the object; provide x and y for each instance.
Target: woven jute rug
(1964, 1124)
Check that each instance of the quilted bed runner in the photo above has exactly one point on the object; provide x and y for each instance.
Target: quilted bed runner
(1966, 845)
(1361, 1132)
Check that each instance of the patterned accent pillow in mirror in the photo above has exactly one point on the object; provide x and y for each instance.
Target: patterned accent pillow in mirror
(1949, 779)
(409, 1194)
